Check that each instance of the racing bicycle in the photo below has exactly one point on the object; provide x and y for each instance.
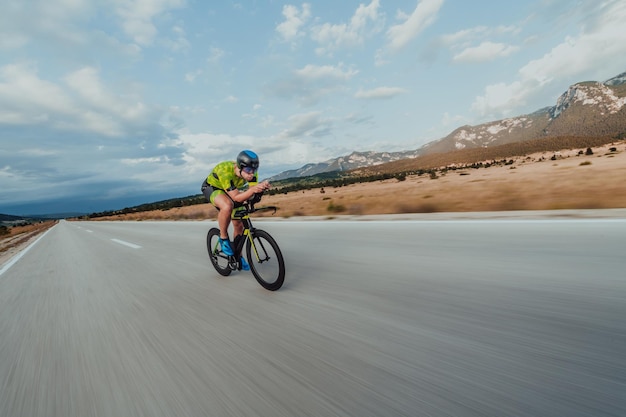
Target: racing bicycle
(262, 252)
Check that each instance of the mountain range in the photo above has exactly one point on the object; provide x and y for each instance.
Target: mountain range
(7, 219)
(588, 108)
(347, 163)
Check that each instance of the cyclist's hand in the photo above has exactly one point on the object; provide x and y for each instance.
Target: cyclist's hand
(261, 187)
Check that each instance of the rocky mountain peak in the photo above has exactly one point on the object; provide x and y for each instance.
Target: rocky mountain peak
(599, 95)
(617, 80)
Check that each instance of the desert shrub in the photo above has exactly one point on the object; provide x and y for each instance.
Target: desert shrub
(4, 230)
(589, 152)
(417, 208)
(585, 163)
(335, 208)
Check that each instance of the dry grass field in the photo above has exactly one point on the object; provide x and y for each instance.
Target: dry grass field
(539, 181)
(19, 236)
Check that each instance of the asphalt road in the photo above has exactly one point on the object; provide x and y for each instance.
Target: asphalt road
(377, 318)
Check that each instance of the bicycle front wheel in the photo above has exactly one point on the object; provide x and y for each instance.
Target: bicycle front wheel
(218, 258)
(265, 259)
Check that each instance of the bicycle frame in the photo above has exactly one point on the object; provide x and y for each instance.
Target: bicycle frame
(248, 232)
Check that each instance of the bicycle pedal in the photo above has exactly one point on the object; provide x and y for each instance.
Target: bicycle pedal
(233, 264)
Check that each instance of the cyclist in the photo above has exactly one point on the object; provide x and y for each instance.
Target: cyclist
(223, 188)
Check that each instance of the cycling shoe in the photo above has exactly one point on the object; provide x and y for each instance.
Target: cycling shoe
(225, 243)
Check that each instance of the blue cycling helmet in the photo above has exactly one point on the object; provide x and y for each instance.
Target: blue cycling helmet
(247, 159)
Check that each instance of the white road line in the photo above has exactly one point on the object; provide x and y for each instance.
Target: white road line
(130, 245)
(22, 253)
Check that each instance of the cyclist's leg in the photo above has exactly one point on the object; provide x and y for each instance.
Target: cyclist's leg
(238, 244)
(237, 227)
(224, 206)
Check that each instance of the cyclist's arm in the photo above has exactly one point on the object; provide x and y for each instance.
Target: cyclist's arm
(242, 196)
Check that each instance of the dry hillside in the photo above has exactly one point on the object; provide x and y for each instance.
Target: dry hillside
(565, 179)
(511, 150)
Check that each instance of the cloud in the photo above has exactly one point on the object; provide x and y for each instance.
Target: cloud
(77, 102)
(501, 99)
(380, 93)
(179, 43)
(594, 50)
(137, 17)
(26, 21)
(359, 119)
(289, 29)
(192, 75)
(463, 38)
(276, 154)
(307, 124)
(26, 99)
(309, 84)
(449, 120)
(365, 22)
(78, 28)
(486, 51)
(87, 86)
(324, 72)
(204, 150)
(462, 43)
(61, 134)
(76, 168)
(423, 16)
(215, 55)
(601, 41)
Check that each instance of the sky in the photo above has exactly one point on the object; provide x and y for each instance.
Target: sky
(107, 104)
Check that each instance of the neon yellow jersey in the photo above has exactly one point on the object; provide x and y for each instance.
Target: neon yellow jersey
(223, 177)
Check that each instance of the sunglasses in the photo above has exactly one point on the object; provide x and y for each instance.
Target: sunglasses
(248, 170)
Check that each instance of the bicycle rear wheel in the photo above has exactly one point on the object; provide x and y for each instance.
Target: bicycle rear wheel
(218, 258)
(266, 260)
